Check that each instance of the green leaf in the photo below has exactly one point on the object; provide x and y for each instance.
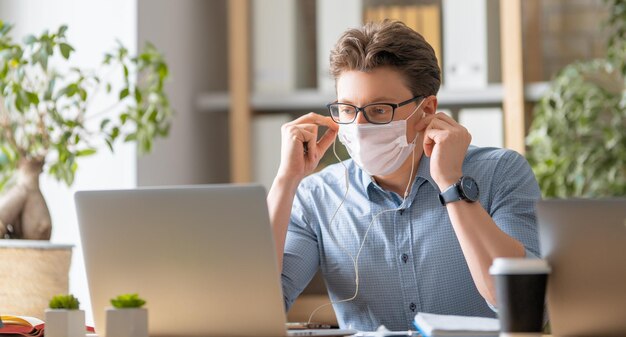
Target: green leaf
(32, 97)
(66, 136)
(83, 94)
(137, 95)
(107, 59)
(66, 49)
(19, 105)
(62, 30)
(43, 58)
(48, 94)
(115, 133)
(29, 39)
(123, 93)
(162, 70)
(131, 137)
(104, 123)
(153, 116)
(85, 153)
(108, 142)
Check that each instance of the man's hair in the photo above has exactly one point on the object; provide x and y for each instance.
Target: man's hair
(388, 44)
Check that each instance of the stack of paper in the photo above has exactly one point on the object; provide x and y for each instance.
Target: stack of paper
(431, 325)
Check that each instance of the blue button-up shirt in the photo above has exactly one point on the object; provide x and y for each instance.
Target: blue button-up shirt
(411, 260)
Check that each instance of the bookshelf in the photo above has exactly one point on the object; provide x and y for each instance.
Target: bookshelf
(311, 99)
(242, 103)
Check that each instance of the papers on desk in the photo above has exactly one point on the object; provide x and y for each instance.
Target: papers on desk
(432, 325)
(25, 326)
(15, 326)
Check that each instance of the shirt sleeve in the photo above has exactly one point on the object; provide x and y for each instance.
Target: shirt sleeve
(513, 203)
(301, 256)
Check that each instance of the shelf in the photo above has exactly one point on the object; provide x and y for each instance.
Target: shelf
(312, 99)
(534, 91)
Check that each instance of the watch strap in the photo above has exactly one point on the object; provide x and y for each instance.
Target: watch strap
(450, 194)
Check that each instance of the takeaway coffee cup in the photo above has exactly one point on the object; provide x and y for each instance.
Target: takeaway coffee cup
(520, 293)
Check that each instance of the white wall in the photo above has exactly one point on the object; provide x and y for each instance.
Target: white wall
(93, 28)
(192, 35)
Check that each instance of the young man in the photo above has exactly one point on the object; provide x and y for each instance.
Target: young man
(425, 214)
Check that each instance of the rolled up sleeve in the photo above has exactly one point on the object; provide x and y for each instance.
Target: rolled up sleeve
(301, 255)
(513, 204)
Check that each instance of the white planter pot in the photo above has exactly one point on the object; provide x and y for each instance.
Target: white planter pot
(65, 323)
(132, 322)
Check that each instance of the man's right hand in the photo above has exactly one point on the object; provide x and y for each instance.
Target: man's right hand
(300, 150)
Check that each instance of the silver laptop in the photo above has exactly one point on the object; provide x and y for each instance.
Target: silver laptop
(585, 243)
(202, 257)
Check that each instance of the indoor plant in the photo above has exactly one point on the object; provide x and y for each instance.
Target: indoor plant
(47, 120)
(127, 318)
(577, 141)
(64, 318)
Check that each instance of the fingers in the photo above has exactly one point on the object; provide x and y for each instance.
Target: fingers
(317, 119)
(327, 140)
(440, 116)
(305, 130)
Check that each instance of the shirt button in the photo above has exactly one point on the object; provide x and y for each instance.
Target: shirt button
(405, 258)
(412, 306)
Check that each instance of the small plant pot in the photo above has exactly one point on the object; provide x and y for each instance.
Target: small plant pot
(64, 323)
(130, 322)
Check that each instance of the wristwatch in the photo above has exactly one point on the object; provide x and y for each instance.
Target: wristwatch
(464, 189)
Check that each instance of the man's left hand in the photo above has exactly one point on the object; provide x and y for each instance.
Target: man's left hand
(446, 143)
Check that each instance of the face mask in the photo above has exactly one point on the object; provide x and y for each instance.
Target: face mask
(379, 149)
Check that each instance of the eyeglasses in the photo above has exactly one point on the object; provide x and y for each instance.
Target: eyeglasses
(375, 113)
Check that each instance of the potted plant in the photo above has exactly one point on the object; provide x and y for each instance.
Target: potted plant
(47, 121)
(577, 141)
(64, 318)
(127, 318)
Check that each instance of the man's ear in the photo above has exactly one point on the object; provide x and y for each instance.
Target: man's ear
(430, 105)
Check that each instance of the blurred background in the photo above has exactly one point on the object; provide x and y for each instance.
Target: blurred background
(239, 69)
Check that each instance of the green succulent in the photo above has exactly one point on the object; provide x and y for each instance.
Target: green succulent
(68, 302)
(127, 301)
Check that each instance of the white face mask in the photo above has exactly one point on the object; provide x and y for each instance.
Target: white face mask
(379, 149)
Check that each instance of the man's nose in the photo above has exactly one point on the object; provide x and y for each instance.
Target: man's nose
(360, 118)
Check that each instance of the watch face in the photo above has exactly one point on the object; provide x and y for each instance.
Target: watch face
(469, 188)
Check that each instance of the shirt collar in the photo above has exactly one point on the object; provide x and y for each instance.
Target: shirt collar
(423, 172)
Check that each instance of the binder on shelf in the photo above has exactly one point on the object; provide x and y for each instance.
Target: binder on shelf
(471, 53)
(431, 28)
(282, 32)
(424, 19)
(333, 19)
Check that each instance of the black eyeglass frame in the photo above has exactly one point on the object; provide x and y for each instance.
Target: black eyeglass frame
(393, 106)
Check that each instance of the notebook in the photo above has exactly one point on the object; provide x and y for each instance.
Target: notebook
(584, 241)
(433, 325)
(202, 257)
